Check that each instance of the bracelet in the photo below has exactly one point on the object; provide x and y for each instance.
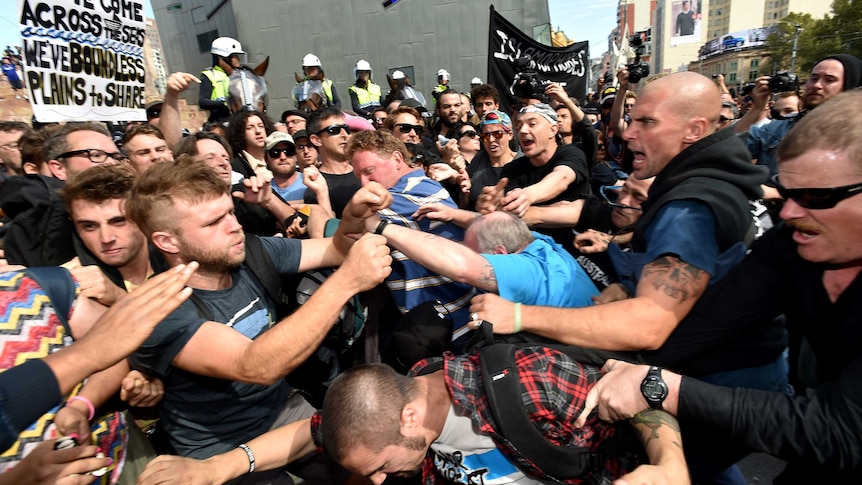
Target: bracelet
(250, 454)
(517, 317)
(379, 229)
(90, 407)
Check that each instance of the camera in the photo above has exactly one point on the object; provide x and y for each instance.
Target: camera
(526, 83)
(783, 81)
(747, 89)
(638, 69)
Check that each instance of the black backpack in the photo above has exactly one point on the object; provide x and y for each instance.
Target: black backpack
(497, 356)
(40, 231)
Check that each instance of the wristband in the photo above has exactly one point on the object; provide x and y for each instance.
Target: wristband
(517, 317)
(90, 407)
(379, 229)
(250, 454)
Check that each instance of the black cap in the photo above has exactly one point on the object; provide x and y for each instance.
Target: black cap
(412, 103)
(300, 134)
(293, 112)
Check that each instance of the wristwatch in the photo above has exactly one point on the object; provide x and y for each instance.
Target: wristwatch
(654, 388)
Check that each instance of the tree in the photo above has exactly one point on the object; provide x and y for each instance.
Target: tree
(838, 33)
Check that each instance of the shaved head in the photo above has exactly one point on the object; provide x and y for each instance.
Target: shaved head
(690, 95)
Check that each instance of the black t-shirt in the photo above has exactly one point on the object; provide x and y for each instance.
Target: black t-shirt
(522, 173)
(341, 190)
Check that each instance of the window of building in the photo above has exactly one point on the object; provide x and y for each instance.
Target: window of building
(206, 39)
(731, 77)
(755, 63)
(734, 66)
(752, 75)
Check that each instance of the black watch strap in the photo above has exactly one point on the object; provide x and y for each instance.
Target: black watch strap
(653, 388)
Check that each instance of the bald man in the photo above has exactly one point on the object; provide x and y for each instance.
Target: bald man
(694, 228)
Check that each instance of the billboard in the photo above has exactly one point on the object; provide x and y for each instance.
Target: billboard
(686, 19)
(737, 40)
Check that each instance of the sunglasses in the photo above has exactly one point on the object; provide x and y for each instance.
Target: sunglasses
(817, 198)
(153, 113)
(333, 130)
(610, 197)
(724, 119)
(496, 134)
(470, 133)
(276, 152)
(379, 121)
(407, 128)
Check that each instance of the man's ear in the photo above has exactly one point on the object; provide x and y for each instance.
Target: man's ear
(315, 140)
(411, 419)
(166, 242)
(58, 170)
(698, 128)
(500, 249)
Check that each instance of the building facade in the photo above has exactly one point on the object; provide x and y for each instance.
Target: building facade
(425, 35)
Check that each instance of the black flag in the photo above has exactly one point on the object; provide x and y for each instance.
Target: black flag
(567, 66)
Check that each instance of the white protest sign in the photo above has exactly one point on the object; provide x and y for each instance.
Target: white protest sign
(84, 59)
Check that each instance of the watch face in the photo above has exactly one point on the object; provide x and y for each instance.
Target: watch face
(654, 389)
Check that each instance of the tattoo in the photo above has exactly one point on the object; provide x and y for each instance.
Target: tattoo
(676, 278)
(655, 419)
(487, 275)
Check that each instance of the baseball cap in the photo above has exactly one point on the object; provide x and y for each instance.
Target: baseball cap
(275, 138)
(593, 108)
(608, 94)
(541, 109)
(300, 135)
(495, 117)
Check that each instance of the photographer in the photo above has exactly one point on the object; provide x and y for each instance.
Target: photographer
(829, 77)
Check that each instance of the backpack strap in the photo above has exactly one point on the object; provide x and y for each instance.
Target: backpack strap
(58, 284)
(502, 385)
(258, 261)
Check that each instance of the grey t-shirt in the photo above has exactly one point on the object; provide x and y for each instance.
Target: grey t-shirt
(205, 416)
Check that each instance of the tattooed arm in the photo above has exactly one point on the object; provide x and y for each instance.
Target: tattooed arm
(659, 433)
(667, 290)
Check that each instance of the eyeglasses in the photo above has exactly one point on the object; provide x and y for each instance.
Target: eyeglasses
(407, 128)
(379, 121)
(305, 148)
(276, 152)
(333, 130)
(153, 113)
(724, 120)
(496, 134)
(95, 155)
(611, 197)
(817, 198)
(470, 133)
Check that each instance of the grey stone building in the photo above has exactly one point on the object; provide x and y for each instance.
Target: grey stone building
(425, 35)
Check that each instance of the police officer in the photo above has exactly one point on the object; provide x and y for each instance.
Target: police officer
(227, 54)
(313, 69)
(364, 94)
(442, 84)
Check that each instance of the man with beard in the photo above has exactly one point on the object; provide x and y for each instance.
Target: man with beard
(830, 76)
(224, 374)
(450, 109)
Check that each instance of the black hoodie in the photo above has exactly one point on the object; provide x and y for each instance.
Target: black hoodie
(716, 171)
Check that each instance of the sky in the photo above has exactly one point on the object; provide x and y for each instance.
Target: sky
(590, 20)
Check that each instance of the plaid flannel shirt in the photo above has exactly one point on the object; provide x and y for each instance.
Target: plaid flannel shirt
(554, 387)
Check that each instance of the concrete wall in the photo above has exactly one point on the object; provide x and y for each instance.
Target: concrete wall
(425, 34)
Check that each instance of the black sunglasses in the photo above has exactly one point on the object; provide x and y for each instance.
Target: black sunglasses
(276, 152)
(407, 128)
(818, 198)
(610, 197)
(470, 133)
(333, 130)
(95, 155)
(496, 134)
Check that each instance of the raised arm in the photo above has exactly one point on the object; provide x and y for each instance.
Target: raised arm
(169, 123)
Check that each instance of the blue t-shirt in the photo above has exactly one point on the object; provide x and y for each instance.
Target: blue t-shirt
(205, 416)
(294, 191)
(542, 274)
(684, 229)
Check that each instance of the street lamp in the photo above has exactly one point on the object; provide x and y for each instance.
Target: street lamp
(793, 56)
